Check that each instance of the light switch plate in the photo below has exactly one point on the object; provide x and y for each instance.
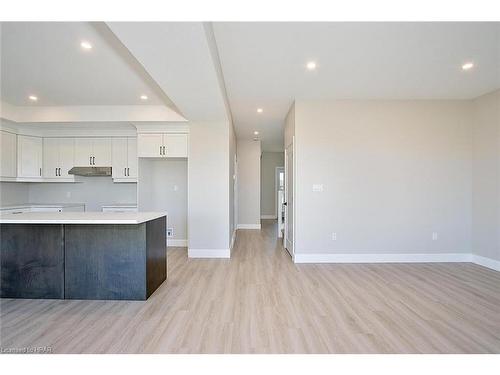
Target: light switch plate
(318, 187)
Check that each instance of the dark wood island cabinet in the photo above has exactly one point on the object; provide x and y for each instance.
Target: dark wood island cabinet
(82, 255)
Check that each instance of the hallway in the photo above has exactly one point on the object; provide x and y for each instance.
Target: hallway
(259, 301)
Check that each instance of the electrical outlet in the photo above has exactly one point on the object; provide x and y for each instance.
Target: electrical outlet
(170, 232)
(68, 194)
(334, 236)
(434, 236)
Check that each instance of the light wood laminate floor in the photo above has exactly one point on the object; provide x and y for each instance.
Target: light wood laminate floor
(260, 302)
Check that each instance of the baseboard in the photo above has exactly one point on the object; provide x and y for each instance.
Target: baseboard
(382, 258)
(248, 226)
(176, 243)
(233, 239)
(209, 253)
(268, 217)
(486, 262)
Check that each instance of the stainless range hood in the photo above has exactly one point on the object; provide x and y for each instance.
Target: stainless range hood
(91, 171)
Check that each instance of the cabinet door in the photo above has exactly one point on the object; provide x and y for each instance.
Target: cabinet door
(29, 156)
(176, 145)
(132, 158)
(50, 157)
(8, 154)
(101, 152)
(119, 158)
(66, 156)
(149, 145)
(83, 152)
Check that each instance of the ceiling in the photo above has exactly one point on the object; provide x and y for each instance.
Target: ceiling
(179, 57)
(264, 66)
(45, 59)
(260, 65)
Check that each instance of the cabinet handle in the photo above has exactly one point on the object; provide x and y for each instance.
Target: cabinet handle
(56, 171)
(90, 160)
(93, 160)
(40, 171)
(59, 172)
(128, 172)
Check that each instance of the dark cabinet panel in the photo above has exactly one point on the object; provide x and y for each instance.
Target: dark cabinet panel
(105, 261)
(32, 261)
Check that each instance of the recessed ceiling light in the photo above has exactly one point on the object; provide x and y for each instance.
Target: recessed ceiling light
(311, 65)
(467, 66)
(86, 45)
(144, 97)
(256, 133)
(33, 98)
(260, 110)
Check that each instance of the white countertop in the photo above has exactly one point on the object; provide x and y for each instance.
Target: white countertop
(123, 205)
(80, 217)
(49, 205)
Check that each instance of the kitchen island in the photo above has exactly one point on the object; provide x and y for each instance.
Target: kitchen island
(82, 255)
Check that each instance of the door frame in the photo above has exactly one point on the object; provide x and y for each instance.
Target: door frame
(294, 176)
(276, 189)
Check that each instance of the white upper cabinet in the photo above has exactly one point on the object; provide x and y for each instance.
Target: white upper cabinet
(162, 145)
(93, 152)
(58, 157)
(150, 145)
(175, 145)
(8, 155)
(101, 152)
(83, 152)
(124, 159)
(132, 158)
(29, 156)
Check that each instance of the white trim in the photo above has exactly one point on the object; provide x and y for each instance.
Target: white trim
(209, 253)
(268, 217)
(383, 258)
(176, 243)
(486, 262)
(249, 226)
(233, 239)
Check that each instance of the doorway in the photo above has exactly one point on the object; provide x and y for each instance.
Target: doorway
(280, 199)
(289, 198)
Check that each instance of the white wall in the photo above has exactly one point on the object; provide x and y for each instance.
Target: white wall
(13, 192)
(486, 176)
(94, 192)
(249, 153)
(163, 187)
(269, 162)
(393, 172)
(208, 189)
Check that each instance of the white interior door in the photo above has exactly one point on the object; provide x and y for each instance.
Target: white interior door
(289, 207)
